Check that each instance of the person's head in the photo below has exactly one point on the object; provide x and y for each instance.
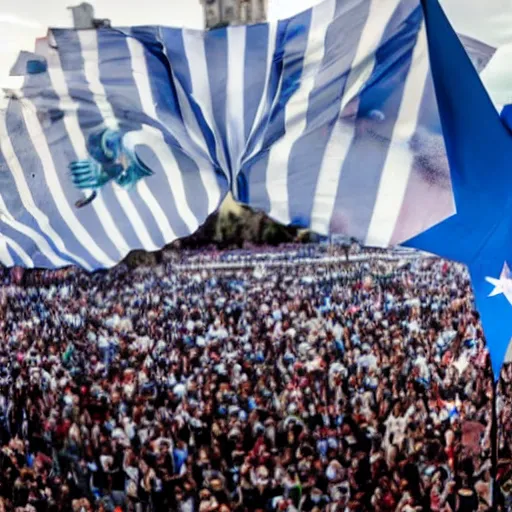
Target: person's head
(205, 494)
(179, 494)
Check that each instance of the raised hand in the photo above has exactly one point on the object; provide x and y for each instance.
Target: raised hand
(112, 158)
(89, 174)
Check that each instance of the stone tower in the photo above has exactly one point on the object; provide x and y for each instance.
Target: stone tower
(220, 13)
(83, 17)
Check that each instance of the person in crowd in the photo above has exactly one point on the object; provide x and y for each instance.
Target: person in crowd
(297, 382)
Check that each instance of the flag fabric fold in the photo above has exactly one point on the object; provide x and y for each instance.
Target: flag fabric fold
(101, 152)
(479, 148)
(353, 142)
(128, 138)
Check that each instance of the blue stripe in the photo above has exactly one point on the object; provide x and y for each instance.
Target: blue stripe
(115, 72)
(366, 157)
(169, 113)
(276, 72)
(163, 90)
(18, 262)
(63, 153)
(288, 62)
(28, 245)
(341, 42)
(216, 50)
(116, 76)
(33, 171)
(168, 200)
(175, 51)
(89, 119)
(255, 71)
(195, 191)
(72, 63)
(257, 42)
(12, 198)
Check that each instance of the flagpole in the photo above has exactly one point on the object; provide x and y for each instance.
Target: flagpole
(494, 444)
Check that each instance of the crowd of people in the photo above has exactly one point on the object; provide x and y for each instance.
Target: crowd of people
(285, 252)
(306, 388)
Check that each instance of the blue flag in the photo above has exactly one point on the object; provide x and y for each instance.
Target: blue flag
(128, 138)
(479, 148)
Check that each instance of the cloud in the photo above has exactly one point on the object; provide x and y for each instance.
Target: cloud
(16, 20)
(279, 9)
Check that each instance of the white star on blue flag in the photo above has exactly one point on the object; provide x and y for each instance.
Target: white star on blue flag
(479, 148)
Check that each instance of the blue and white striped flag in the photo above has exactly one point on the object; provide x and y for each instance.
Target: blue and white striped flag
(128, 138)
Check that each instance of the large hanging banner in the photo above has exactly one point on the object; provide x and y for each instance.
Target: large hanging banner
(128, 138)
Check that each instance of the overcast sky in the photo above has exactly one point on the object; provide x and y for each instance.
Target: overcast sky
(21, 21)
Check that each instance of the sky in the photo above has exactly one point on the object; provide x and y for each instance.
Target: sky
(21, 21)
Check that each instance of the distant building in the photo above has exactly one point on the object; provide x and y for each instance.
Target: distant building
(220, 13)
(83, 17)
(253, 11)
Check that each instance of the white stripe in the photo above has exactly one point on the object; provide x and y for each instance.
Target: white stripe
(342, 133)
(167, 160)
(201, 156)
(173, 174)
(5, 255)
(188, 124)
(296, 112)
(6, 216)
(24, 257)
(263, 107)
(38, 138)
(188, 127)
(399, 160)
(77, 140)
(141, 79)
(195, 54)
(89, 45)
(88, 40)
(356, 81)
(235, 119)
(26, 196)
(41, 243)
